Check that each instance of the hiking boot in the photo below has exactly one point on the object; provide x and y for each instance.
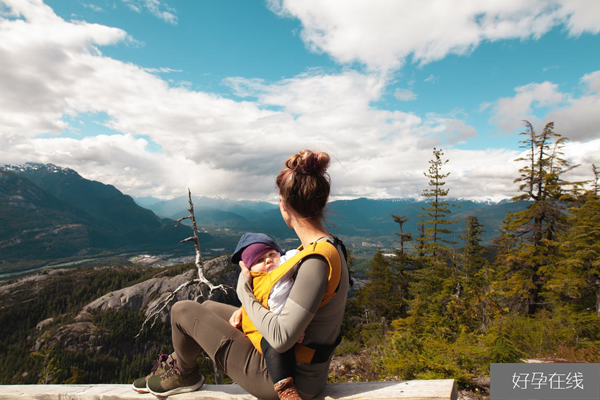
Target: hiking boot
(286, 390)
(162, 365)
(175, 381)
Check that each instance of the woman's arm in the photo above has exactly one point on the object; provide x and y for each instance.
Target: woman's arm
(283, 330)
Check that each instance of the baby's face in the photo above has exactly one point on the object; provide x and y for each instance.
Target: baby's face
(267, 262)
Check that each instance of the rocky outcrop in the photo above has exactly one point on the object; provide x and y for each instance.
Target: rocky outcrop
(145, 295)
(82, 334)
(78, 336)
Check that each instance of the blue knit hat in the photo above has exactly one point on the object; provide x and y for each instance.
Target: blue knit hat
(249, 238)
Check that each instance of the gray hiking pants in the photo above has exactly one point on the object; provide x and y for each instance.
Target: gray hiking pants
(196, 327)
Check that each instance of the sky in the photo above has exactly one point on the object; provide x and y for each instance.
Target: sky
(158, 96)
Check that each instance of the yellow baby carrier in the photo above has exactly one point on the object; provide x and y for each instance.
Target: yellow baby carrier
(263, 282)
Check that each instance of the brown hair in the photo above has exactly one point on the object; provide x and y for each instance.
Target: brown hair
(304, 183)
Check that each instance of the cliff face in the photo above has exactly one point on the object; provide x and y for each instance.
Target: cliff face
(82, 334)
(144, 296)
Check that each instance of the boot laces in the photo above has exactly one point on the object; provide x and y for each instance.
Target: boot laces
(172, 371)
(161, 358)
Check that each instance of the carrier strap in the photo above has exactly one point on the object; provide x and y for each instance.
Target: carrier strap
(263, 283)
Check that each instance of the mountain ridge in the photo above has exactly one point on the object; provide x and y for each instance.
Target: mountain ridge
(49, 212)
(96, 217)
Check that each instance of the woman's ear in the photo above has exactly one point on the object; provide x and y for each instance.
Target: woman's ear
(287, 216)
(282, 205)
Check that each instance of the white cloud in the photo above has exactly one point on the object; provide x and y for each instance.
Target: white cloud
(580, 118)
(53, 69)
(92, 7)
(33, 49)
(157, 8)
(312, 91)
(405, 94)
(509, 112)
(592, 81)
(576, 118)
(381, 34)
(161, 70)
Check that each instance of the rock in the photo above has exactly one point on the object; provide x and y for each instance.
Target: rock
(76, 336)
(44, 324)
(29, 281)
(145, 295)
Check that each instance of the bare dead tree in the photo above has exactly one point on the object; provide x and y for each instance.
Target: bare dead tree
(206, 287)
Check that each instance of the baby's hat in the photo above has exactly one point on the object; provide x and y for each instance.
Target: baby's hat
(248, 239)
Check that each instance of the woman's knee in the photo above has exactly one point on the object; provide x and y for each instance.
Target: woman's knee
(184, 310)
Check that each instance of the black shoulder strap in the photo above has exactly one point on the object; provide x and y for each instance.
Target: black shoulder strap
(337, 242)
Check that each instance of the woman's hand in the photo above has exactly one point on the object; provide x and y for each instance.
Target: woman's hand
(301, 338)
(245, 270)
(236, 318)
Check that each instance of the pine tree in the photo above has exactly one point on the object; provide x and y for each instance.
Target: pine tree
(379, 297)
(596, 172)
(402, 264)
(402, 256)
(404, 237)
(435, 290)
(473, 251)
(575, 279)
(420, 251)
(436, 222)
(541, 183)
(476, 277)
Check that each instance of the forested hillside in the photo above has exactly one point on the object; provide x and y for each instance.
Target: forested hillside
(50, 322)
(446, 309)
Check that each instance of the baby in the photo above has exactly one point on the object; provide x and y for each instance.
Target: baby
(261, 254)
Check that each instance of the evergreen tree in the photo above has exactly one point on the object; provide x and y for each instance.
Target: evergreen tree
(404, 237)
(379, 297)
(476, 277)
(473, 251)
(575, 279)
(435, 289)
(420, 252)
(436, 215)
(541, 183)
(596, 172)
(402, 263)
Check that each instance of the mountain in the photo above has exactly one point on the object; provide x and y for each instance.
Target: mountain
(363, 218)
(174, 208)
(216, 213)
(49, 212)
(37, 225)
(372, 218)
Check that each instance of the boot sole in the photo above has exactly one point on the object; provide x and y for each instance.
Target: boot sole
(140, 390)
(183, 389)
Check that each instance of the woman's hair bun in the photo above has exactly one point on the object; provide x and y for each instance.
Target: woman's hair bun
(304, 183)
(308, 162)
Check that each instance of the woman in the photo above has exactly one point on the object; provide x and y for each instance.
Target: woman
(304, 188)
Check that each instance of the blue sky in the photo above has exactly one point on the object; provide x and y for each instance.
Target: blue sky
(156, 96)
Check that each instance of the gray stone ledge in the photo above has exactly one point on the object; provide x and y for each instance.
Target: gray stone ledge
(441, 389)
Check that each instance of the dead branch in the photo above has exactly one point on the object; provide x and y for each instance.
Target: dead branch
(154, 313)
(196, 240)
(206, 287)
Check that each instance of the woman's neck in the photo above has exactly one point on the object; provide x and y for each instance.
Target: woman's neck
(309, 231)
